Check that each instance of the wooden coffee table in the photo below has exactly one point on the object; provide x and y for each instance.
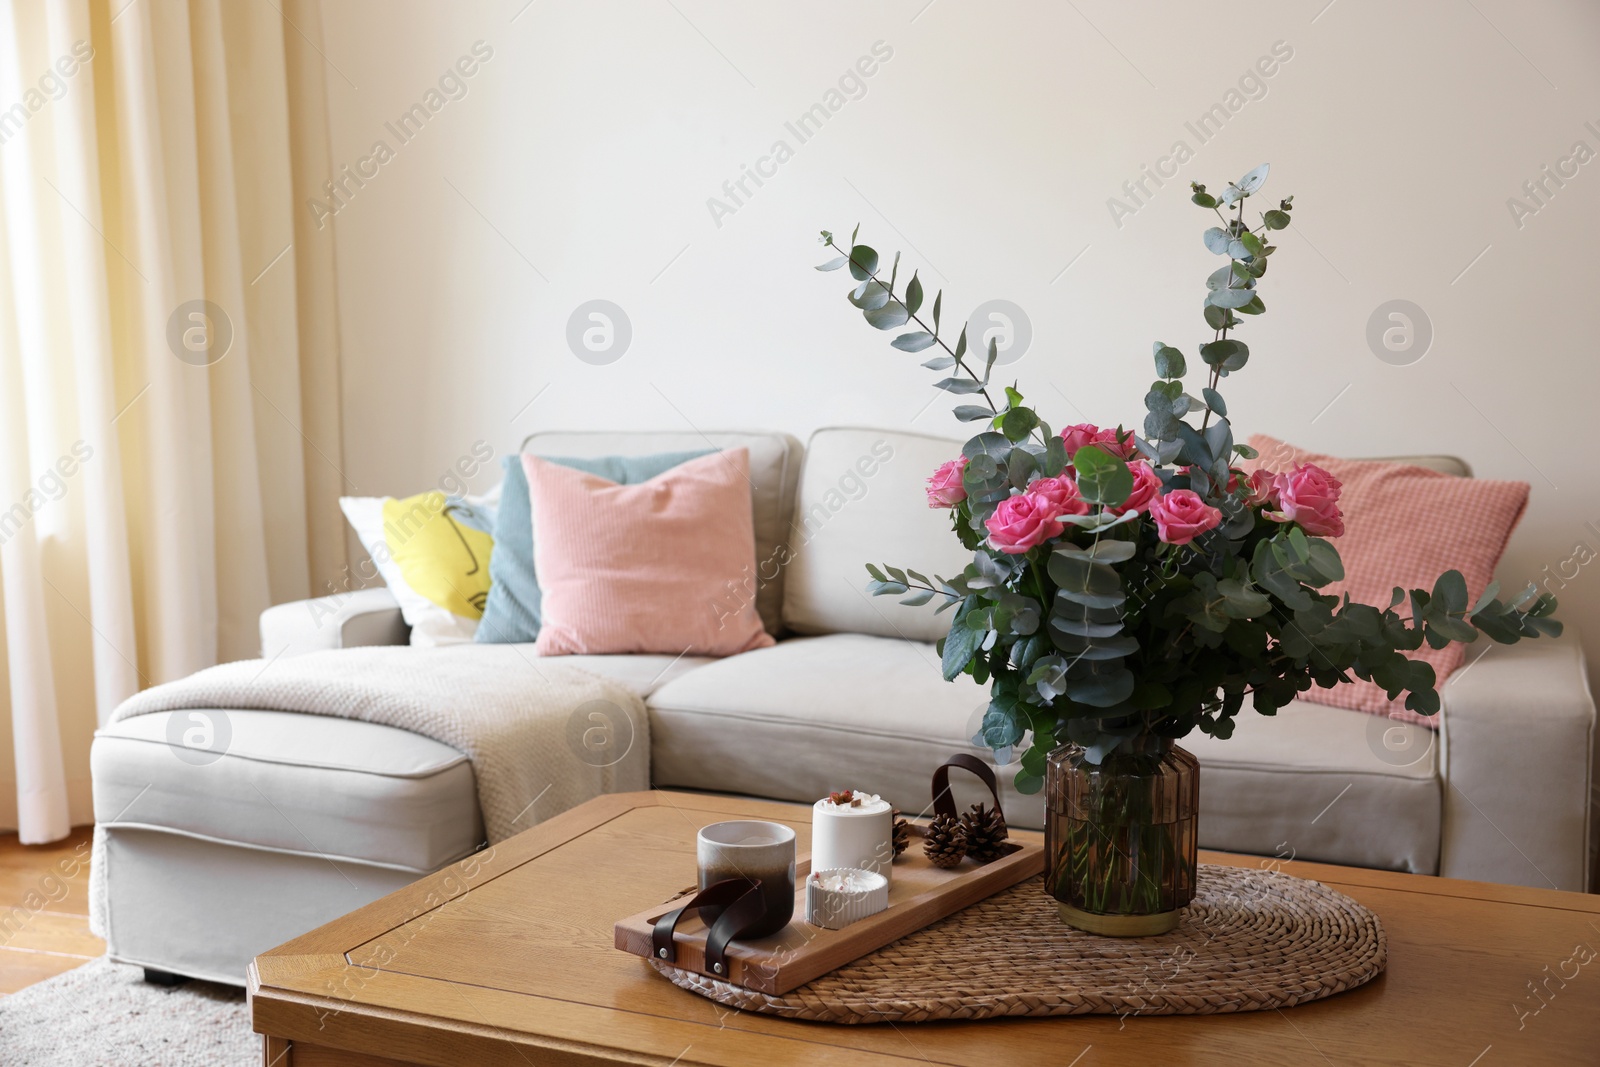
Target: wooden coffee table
(507, 958)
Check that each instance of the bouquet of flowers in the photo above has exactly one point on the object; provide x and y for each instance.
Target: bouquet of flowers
(1130, 584)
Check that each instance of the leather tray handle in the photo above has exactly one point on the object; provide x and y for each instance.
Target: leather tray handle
(944, 803)
(744, 905)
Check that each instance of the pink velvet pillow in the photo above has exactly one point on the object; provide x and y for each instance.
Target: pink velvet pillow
(664, 566)
(1405, 526)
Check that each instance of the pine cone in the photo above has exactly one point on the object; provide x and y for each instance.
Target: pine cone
(985, 831)
(902, 834)
(944, 841)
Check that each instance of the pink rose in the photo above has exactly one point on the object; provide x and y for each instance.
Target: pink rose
(1022, 521)
(944, 488)
(1309, 496)
(1146, 487)
(1062, 493)
(1181, 516)
(1260, 488)
(1087, 433)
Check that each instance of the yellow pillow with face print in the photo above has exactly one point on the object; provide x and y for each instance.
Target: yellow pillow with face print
(433, 553)
(441, 553)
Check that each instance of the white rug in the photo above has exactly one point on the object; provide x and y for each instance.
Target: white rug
(106, 1013)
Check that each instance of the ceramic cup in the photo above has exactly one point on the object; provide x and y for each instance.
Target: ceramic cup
(749, 849)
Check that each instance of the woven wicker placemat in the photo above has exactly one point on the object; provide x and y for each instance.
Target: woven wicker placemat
(1252, 939)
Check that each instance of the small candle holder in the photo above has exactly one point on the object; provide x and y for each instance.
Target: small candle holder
(838, 897)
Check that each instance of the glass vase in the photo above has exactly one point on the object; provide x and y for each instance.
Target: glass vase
(1120, 837)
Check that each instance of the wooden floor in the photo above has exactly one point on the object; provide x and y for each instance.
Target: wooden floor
(44, 909)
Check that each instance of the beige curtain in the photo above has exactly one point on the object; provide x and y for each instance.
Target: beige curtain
(169, 440)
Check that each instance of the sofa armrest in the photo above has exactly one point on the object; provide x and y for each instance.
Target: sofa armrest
(345, 620)
(1517, 758)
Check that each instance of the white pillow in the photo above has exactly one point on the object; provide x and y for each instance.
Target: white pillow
(433, 553)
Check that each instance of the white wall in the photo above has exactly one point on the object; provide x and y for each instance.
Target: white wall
(580, 162)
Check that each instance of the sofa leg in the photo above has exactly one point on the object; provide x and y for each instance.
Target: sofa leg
(164, 978)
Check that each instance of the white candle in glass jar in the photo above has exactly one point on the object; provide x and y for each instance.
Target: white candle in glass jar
(858, 833)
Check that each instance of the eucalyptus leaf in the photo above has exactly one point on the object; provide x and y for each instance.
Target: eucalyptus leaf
(1102, 477)
(1101, 551)
(890, 316)
(1489, 593)
(1229, 298)
(870, 295)
(1002, 726)
(913, 298)
(960, 645)
(1451, 591)
(1325, 558)
(1253, 180)
(1228, 354)
(833, 264)
(1160, 426)
(1102, 689)
(992, 445)
(863, 262)
(1027, 783)
(1017, 424)
(1169, 362)
(1100, 523)
(914, 342)
(1195, 451)
(1074, 647)
(1084, 581)
(1021, 466)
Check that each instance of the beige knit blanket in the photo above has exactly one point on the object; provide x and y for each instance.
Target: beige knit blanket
(535, 729)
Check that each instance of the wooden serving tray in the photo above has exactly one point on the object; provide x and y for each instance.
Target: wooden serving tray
(920, 894)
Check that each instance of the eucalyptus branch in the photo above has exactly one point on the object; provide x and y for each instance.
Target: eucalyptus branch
(872, 275)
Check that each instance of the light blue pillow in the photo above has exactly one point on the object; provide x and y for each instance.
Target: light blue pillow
(511, 614)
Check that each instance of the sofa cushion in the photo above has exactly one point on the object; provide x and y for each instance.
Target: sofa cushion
(774, 473)
(1323, 783)
(511, 612)
(850, 711)
(862, 501)
(815, 714)
(654, 567)
(433, 553)
(642, 674)
(307, 784)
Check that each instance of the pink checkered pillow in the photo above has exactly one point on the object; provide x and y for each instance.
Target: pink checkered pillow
(1405, 526)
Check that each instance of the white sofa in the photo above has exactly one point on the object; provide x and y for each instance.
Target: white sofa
(304, 817)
